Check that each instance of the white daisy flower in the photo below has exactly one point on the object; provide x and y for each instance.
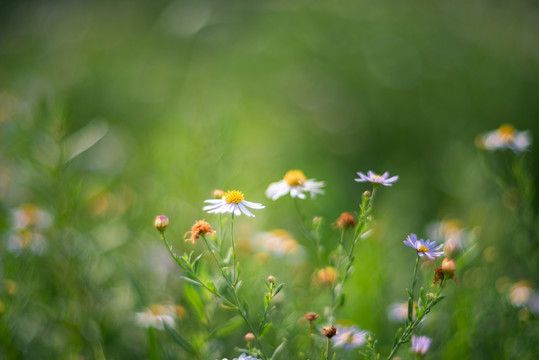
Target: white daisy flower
(505, 137)
(420, 344)
(156, 315)
(232, 201)
(427, 248)
(349, 337)
(376, 179)
(295, 183)
(243, 357)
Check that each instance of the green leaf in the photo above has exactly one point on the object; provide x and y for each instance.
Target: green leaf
(278, 350)
(192, 281)
(278, 289)
(265, 329)
(180, 340)
(196, 263)
(153, 346)
(193, 297)
(397, 336)
(228, 327)
(423, 296)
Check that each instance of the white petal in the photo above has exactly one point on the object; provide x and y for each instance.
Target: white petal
(253, 205)
(245, 210)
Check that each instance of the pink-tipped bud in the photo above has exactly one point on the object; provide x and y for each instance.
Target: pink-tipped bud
(271, 279)
(448, 267)
(161, 222)
(249, 337)
(218, 193)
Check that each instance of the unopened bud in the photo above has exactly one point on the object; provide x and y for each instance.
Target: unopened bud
(366, 194)
(161, 222)
(448, 267)
(317, 221)
(249, 337)
(271, 279)
(218, 193)
(311, 316)
(329, 331)
(345, 221)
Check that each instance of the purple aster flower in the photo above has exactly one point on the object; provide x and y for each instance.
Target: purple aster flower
(420, 344)
(427, 248)
(376, 179)
(349, 337)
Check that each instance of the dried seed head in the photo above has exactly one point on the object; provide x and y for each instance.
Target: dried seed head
(311, 316)
(329, 331)
(201, 227)
(345, 221)
(161, 222)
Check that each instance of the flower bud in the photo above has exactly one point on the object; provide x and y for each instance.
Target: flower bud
(311, 316)
(271, 279)
(327, 275)
(366, 194)
(345, 221)
(161, 223)
(218, 193)
(448, 267)
(329, 331)
(249, 337)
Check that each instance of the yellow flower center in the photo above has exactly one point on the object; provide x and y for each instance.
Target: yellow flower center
(423, 249)
(506, 132)
(233, 197)
(295, 177)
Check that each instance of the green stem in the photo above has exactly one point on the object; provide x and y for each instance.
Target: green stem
(413, 324)
(328, 347)
(414, 281)
(306, 232)
(237, 303)
(234, 278)
(192, 274)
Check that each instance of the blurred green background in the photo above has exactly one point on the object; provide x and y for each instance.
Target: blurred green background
(114, 112)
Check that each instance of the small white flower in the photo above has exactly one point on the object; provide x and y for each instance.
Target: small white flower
(295, 183)
(156, 315)
(505, 137)
(277, 242)
(420, 344)
(427, 248)
(232, 201)
(349, 337)
(376, 179)
(244, 357)
(398, 312)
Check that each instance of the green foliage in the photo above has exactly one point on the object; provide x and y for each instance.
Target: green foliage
(114, 112)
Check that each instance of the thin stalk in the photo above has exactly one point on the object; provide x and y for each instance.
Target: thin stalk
(414, 281)
(328, 347)
(237, 303)
(201, 283)
(306, 232)
(413, 324)
(234, 279)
